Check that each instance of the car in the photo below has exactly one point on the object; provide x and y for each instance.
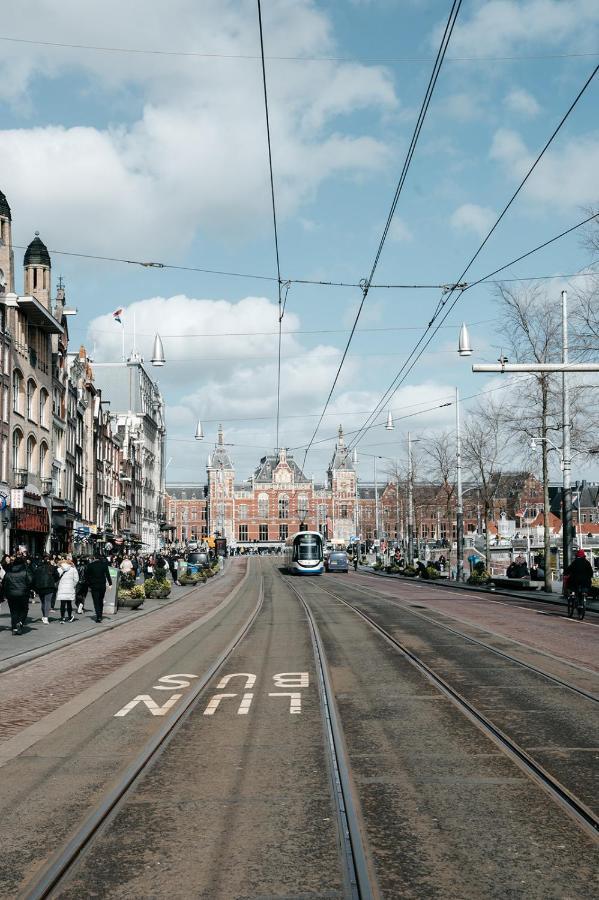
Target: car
(337, 561)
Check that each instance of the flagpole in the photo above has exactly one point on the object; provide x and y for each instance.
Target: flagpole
(123, 337)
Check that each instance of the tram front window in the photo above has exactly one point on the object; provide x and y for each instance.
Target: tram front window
(307, 548)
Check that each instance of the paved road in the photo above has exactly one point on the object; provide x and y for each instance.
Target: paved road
(240, 803)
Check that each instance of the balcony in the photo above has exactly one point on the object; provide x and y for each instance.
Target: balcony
(19, 477)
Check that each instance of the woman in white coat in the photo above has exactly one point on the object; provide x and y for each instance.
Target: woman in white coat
(65, 591)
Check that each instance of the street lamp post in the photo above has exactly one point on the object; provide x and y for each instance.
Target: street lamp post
(410, 502)
(460, 505)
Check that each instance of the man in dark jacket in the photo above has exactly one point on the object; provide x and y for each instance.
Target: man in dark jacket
(579, 572)
(16, 586)
(97, 577)
(45, 578)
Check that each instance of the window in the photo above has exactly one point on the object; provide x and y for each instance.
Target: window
(283, 532)
(17, 439)
(31, 445)
(243, 511)
(263, 506)
(4, 458)
(322, 513)
(243, 532)
(302, 506)
(31, 388)
(283, 506)
(17, 381)
(263, 533)
(344, 512)
(5, 401)
(43, 407)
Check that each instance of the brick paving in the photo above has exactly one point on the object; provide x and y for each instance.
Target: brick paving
(36, 688)
(550, 631)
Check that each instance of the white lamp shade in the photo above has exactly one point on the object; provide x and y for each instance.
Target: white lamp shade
(158, 352)
(354, 457)
(464, 348)
(389, 426)
(199, 435)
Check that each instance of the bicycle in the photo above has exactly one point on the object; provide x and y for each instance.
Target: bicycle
(577, 601)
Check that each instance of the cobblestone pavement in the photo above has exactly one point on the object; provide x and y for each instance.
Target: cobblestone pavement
(547, 630)
(36, 688)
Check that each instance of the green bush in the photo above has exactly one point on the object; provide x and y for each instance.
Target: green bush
(431, 572)
(156, 589)
(478, 578)
(410, 571)
(377, 566)
(126, 582)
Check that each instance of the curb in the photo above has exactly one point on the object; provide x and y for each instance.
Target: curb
(12, 662)
(540, 597)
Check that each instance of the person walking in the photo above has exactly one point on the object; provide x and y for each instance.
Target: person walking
(66, 590)
(98, 576)
(45, 578)
(16, 587)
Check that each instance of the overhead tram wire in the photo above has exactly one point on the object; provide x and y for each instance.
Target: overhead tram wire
(274, 216)
(453, 13)
(395, 384)
(459, 284)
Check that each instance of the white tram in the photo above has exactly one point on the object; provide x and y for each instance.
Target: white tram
(303, 553)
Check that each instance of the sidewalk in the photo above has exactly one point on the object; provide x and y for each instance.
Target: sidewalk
(540, 596)
(39, 639)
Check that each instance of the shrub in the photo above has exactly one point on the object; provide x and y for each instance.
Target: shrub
(157, 589)
(431, 572)
(410, 571)
(185, 579)
(126, 582)
(377, 566)
(478, 578)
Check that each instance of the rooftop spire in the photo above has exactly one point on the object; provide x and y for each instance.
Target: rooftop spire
(221, 436)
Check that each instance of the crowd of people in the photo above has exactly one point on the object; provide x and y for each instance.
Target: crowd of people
(64, 582)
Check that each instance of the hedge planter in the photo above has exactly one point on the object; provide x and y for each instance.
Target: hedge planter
(157, 590)
(131, 598)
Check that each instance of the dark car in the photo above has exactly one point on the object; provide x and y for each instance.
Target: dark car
(337, 561)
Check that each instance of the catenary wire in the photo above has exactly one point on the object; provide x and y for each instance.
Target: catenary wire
(453, 13)
(274, 213)
(349, 59)
(458, 285)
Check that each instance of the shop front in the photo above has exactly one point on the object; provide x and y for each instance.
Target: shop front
(30, 526)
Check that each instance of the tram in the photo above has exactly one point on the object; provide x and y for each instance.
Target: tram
(303, 553)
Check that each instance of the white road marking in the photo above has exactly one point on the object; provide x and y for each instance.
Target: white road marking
(295, 702)
(214, 703)
(150, 704)
(244, 706)
(250, 680)
(173, 681)
(291, 679)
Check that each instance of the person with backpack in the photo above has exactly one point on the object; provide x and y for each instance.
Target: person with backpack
(16, 587)
(45, 579)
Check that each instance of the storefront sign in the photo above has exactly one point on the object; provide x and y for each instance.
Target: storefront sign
(17, 498)
(30, 518)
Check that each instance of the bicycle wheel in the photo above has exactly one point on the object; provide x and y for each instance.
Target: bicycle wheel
(581, 607)
(571, 602)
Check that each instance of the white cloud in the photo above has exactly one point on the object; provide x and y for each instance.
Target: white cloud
(565, 178)
(399, 232)
(471, 217)
(501, 26)
(463, 107)
(195, 154)
(522, 103)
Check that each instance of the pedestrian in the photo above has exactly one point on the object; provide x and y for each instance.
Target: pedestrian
(126, 566)
(172, 564)
(579, 573)
(66, 590)
(45, 579)
(98, 576)
(16, 587)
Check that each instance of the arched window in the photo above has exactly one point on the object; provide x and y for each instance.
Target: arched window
(17, 443)
(44, 407)
(43, 469)
(30, 458)
(302, 506)
(31, 389)
(263, 506)
(17, 387)
(283, 506)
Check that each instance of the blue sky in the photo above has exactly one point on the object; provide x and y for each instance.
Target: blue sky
(163, 157)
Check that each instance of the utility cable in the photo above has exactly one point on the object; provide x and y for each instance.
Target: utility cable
(459, 285)
(453, 13)
(274, 215)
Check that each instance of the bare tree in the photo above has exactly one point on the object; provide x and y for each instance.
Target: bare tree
(484, 444)
(441, 450)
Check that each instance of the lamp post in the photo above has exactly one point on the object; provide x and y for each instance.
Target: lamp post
(460, 504)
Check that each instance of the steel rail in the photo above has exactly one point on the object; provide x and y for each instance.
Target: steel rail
(584, 817)
(554, 678)
(60, 866)
(358, 871)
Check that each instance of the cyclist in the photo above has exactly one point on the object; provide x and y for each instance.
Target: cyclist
(580, 577)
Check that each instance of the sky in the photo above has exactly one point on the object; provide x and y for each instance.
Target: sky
(154, 149)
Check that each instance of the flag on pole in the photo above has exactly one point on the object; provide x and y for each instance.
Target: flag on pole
(117, 314)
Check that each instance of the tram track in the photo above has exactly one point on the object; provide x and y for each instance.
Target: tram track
(585, 818)
(477, 642)
(64, 862)
(358, 871)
